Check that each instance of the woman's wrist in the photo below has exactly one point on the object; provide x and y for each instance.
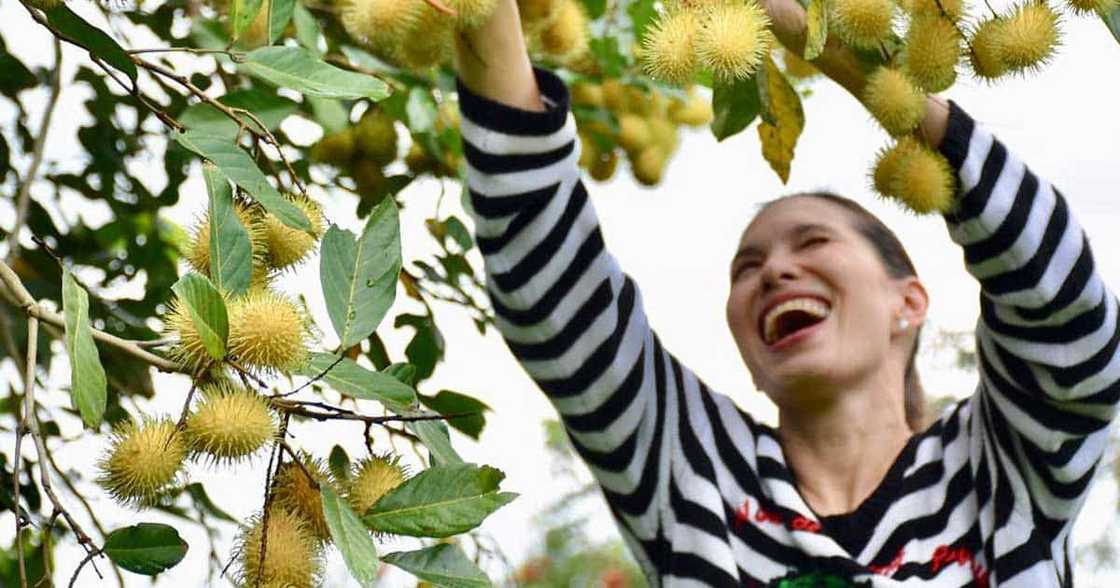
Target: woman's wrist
(493, 61)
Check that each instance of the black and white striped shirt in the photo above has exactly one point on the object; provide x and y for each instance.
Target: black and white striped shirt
(702, 493)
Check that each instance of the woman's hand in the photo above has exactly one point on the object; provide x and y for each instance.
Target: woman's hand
(493, 61)
(788, 22)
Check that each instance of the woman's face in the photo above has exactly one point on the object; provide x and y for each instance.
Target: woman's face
(811, 306)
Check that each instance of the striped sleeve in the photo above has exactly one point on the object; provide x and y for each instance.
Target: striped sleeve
(1047, 334)
(570, 315)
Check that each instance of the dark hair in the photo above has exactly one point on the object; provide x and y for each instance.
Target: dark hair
(898, 265)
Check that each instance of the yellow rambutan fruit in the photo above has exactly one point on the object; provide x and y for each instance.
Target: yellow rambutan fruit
(587, 94)
(731, 40)
(376, 136)
(188, 350)
(565, 38)
(198, 248)
(797, 67)
(380, 24)
(663, 133)
(649, 165)
(296, 493)
(428, 41)
(614, 95)
(588, 150)
(1028, 37)
(889, 162)
(633, 132)
(471, 13)
(537, 14)
(986, 55)
(924, 181)
(894, 100)
(1089, 7)
(267, 331)
(292, 558)
(229, 424)
(336, 149)
(952, 9)
(373, 478)
(603, 168)
(933, 48)
(668, 50)
(417, 161)
(287, 246)
(695, 111)
(143, 461)
(863, 23)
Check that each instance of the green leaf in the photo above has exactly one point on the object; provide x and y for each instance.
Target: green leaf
(236, 164)
(595, 8)
(278, 21)
(442, 565)
(447, 402)
(87, 376)
(735, 106)
(435, 436)
(145, 548)
(350, 537)
(783, 118)
(642, 13)
(420, 110)
(97, 42)
(242, 13)
(440, 501)
(1112, 20)
(299, 69)
(307, 29)
(203, 502)
(330, 114)
(207, 310)
(351, 379)
(231, 251)
(266, 106)
(458, 231)
(816, 29)
(359, 277)
(339, 463)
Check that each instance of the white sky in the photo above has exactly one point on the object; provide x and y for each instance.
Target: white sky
(676, 240)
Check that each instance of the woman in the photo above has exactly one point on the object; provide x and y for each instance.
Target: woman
(825, 309)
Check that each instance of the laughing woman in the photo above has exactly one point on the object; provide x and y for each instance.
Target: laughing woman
(825, 306)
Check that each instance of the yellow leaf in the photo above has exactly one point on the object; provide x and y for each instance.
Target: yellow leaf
(816, 32)
(782, 118)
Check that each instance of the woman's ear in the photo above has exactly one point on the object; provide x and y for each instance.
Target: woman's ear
(915, 301)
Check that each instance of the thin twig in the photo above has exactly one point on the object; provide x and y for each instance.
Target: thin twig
(246, 373)
(270, 483)
(88, 559)
(299, 462)
(341, 414)
(235, 55)
(23, 198)
(317, 377)
(22, 424)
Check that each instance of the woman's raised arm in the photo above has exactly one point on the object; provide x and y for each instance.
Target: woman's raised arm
(493, 61)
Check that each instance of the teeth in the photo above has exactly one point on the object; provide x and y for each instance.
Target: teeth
(810, 305)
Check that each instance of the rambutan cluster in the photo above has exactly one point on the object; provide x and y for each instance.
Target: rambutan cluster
(647, 130)
(916, 176)
(727, 38)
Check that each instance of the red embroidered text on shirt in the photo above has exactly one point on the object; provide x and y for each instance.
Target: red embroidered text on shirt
(761, 515)
(945, 555)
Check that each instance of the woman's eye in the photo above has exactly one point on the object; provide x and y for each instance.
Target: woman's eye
(745, 267)
(813, 241)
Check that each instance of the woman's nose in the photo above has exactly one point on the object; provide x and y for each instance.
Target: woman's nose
(777, 270)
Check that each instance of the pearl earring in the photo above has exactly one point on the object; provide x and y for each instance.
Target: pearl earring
(903, 324)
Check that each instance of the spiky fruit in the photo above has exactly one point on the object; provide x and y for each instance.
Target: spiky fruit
(1029, 36)
(863, 23)
(566, 37)
(198, 248)
(588, 150)
(230, 424)
(287, 246)
(633, 132)
(587, 94)
(663, 133)
(923, 181)
(336, 149)
(888, 164)
(1089, 7)
(986, 54)
(731, 40)
(538, 14)
(298, 495)
(143, 461)
(953, 9)
(471, 13)
(798, 68)
(292, 557)
(373, 478)
(428, 41)
(894, 101)
(933, 48)
(267, 331)
(603, 168)
(188, 350)
(375, 137)
(669, 48)
(380, 24)
(649, 165)
(614, 95)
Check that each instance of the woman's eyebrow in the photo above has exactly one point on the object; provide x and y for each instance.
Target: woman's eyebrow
(797, 231)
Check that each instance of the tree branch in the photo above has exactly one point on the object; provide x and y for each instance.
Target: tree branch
(23, 198)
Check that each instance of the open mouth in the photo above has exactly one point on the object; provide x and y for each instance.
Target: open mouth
(791, 317)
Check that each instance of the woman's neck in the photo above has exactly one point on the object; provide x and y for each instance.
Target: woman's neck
(839, 456)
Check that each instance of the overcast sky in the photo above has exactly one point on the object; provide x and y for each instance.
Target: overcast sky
(676, 240)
